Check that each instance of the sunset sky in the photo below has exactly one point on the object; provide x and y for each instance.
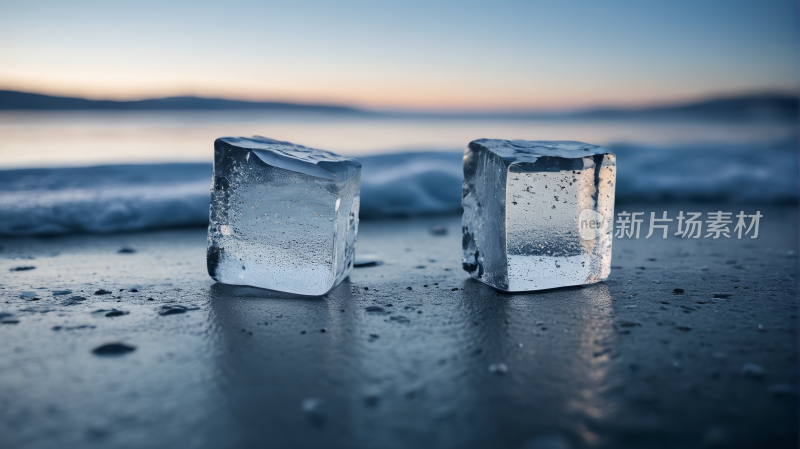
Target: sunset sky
(405, 55)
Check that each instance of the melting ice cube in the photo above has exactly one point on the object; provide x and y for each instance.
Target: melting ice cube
(537, 215)
(283, 217)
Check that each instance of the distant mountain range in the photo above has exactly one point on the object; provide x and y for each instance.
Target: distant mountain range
(24, 101)
(755, 106)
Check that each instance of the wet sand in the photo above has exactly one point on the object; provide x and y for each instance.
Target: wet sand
(409, 353)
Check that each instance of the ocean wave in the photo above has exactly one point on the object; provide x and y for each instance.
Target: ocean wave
(137, 197)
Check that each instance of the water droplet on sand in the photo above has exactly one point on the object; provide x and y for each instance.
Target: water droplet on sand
(498, 368)
(438, 230)
(315, 410)
(29, 296)
(779, 390)
(753, 371)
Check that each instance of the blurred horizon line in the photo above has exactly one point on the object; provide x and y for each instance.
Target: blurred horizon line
(772, 103)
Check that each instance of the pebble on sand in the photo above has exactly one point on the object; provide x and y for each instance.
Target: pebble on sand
(22, 268)
(173, 309)
(366, 260)
(113, 349)
(73, 300)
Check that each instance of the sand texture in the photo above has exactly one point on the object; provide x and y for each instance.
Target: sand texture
(412, 353)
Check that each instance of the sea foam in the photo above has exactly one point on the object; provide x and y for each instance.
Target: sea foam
(135, 197)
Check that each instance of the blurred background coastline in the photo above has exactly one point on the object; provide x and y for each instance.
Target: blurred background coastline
(126, 166)
(108, 113)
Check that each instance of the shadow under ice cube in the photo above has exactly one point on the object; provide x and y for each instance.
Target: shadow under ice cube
(283, 217)
(537, 215)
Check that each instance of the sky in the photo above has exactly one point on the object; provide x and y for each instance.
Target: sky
(418, 55)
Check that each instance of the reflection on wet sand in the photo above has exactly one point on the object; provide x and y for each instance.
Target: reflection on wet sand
(295, 366)
(552, 343)
(275, 351)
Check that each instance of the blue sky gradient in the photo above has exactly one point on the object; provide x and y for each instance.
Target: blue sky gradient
(403, 55)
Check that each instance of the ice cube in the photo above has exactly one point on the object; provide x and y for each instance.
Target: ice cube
(283, 217)
(537, 215)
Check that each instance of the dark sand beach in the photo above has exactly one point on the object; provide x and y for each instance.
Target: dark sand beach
(409, 353)
(126, 128)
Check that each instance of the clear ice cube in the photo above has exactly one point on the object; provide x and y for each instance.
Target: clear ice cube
(537, 215)
(283, 217)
